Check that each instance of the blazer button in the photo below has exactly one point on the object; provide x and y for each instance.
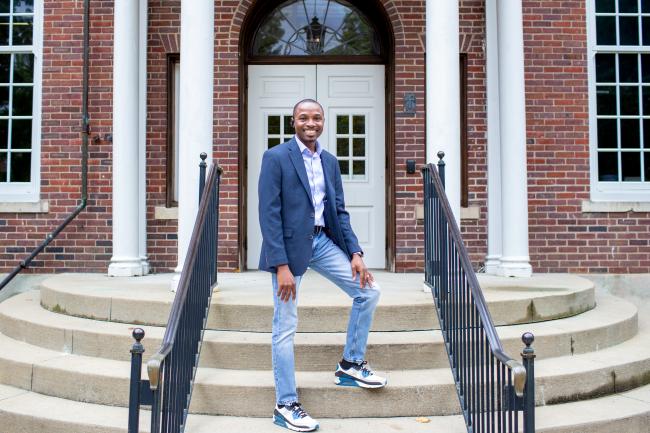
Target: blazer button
(311, 215)
(311, 236)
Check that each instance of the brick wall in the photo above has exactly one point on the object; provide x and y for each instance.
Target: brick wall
(562, 238)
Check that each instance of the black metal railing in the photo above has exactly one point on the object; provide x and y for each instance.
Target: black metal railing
(172, 368)
(496, 392)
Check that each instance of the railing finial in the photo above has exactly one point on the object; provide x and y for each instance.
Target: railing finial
(203, 156)
(441, 155)
(138, 334)
(528, 338)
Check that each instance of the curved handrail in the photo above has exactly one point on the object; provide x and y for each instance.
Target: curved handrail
(517, 368)
(155, 362)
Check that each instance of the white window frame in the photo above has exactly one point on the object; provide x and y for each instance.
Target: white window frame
(29, 192)
(607, 191)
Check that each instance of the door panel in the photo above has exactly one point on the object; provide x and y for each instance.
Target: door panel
(353, 99)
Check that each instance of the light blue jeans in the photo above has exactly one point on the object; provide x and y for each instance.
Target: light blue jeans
(332, 263)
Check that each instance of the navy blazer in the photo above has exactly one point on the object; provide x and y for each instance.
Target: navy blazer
(286, 210)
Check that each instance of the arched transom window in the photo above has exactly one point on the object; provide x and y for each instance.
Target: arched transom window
(315, 28)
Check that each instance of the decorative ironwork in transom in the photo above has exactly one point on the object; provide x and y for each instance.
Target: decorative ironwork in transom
(316, 28)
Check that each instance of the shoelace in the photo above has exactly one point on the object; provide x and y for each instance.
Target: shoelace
(366, 371)
(298, 411)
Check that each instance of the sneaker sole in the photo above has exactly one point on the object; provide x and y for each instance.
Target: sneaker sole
(280, 421)
(350, 381)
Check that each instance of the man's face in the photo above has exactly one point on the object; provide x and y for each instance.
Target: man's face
(308, 121)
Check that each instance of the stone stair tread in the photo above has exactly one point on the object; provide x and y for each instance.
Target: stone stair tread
(52, 372)
(22, 411)
(245, 303)
(25, 308)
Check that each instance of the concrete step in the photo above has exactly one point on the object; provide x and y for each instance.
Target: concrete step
(23, 411)
(243, 301)
(251, 392)
(22, 318)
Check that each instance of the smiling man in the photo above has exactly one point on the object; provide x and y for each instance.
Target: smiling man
(304, 224)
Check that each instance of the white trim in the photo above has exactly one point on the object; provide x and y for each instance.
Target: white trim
(606, 191)
(29, 192)
(142, 142)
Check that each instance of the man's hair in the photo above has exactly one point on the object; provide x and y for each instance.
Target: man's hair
(305, 101)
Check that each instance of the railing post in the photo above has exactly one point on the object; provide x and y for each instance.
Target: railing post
(136, 369)
(528, 357)
(441, 167)
(202, 167)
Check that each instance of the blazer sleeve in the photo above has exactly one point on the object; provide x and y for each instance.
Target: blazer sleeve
(270, 211)
(350, 239)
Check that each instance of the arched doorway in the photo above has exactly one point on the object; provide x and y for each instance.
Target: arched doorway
(339, 53)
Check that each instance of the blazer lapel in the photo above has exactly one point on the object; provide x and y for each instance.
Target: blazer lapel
(299, 165)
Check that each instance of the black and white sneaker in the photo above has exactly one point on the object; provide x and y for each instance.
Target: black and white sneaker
(294, 418)
(358, 375)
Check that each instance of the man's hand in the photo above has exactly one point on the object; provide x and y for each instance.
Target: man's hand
(286, 284)
(358, 267)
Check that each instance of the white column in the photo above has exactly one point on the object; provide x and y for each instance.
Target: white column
(443, 92)
(195, 121)
(495, 244)
(515, 261)
(126, 259)
(142, 147)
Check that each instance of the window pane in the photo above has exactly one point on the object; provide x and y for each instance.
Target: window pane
(627, 6)
(646, 30)
(23, 6)
(628, 68)
(630, 133)
(331, 27)
(607, 137)
(606, 99)
(20, 166)
(4, 30)
(4, 130)
(273, 142)
(646, 164)
(4, 101)
(631, 166)
(605, 31)
(646, 133)
(5, 62)
(608, 166)
(645, 6)
(645, 66)
(343, 124)
(358, 147)
(21, 134)
(629, 30)
(22, 103)
(288, 127)
(3, 167)
(359, 168)
(629, 100)
(342, 147)
(345, 168)
(646, 100)
(358, 124)
(273, 125)
(605, 6)
(23, 30)
(605, 68)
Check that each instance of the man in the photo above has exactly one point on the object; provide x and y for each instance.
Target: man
(304, 224)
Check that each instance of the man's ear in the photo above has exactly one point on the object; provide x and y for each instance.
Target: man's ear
(291, 122)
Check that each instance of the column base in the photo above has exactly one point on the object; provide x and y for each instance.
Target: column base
(492, 265)
(125, 268)
(146, 268)
(515, 267)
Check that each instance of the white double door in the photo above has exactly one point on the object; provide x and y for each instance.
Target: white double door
(353, 98)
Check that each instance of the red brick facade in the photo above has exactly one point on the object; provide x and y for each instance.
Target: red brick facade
(562, 238)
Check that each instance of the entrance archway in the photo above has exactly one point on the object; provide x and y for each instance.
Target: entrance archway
(340, 53)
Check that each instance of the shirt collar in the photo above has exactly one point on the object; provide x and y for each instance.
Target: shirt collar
(302, 146)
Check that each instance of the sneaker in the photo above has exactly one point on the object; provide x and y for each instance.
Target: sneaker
(294, 418)
(359, 375)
